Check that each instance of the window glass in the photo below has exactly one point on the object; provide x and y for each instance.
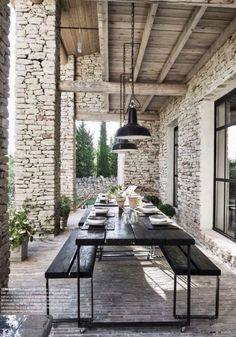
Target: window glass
(219, 205)
(220, 115)
(230, 204)
(231, 110)
(231, 152)
(220, 153)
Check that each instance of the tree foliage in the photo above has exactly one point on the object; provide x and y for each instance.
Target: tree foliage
(103, 153)
(85, 166)
(112, 159)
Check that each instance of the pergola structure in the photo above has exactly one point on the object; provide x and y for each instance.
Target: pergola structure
(69, 57)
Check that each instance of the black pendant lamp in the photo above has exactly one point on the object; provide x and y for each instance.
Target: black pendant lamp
(132, 130)
(123, 146)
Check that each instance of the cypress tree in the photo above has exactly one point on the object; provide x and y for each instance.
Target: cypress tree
(85, 155)
(103, 153)
(112, 159)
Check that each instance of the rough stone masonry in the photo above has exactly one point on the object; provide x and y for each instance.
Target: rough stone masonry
(4, 91)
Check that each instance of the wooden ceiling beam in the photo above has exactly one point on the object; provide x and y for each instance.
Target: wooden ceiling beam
(224, 36)
(145, 37)
(183, 38)
(64, 5)
(102, 10)
(63, 53)
(208, 3)
(145, 89)
(114, 116)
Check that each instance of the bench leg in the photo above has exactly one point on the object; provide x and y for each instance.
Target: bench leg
(217, 297)
(47, 296)
(217, 293)
(92, 311)
(174, 298)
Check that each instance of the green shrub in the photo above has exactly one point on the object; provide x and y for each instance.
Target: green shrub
(167, 209)
(20, 227)
(64, 205)
(153, 199)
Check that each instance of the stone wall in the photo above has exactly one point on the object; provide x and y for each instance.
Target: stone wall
(142, 167)
(38, 110)
(89, 67)
(4, 92)
(68, 144)
(91, 186)
(187, 111)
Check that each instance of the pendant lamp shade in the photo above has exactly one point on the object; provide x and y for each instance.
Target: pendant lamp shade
(132, 130)
(124, 146)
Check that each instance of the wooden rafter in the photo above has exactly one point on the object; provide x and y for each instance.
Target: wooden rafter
(230, 29)
(64, 5)
(113, 116)
(183, 38)
(208, 3)
(114, 87)
(63, 53)
(102, 9)
(145, 37)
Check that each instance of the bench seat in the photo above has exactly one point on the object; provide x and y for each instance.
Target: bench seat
(64, 265)
(200, 265)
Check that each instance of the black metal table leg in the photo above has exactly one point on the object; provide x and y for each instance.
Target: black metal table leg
(78, 285)
(47, 296)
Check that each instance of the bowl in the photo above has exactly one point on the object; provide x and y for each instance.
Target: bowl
(96, 221)
(158, 219)
(101, 211)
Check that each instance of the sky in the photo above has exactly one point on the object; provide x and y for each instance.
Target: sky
(93, 127)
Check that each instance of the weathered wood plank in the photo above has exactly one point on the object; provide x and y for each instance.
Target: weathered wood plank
(113, 116)
(102, 9)
(231, 28)
(184, 36)
(114, 87)
(209, 3)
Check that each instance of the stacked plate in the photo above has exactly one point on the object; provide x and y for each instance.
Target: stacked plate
(101, 211)
(96, 221)
(147, 209)
(158, 219)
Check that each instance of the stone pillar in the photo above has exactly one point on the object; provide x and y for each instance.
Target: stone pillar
(68, 143)
(141, 168)
(38, 110)
(4, 89)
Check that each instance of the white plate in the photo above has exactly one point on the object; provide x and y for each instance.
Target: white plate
(158, 219)
(96, 221)
(101, 210)
(149, 209)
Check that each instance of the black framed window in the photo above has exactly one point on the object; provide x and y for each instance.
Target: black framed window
(225, 166)
(175, 182)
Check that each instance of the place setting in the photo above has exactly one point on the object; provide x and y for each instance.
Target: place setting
(98, 218)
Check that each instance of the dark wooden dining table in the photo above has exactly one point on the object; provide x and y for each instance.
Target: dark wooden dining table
(139, 233)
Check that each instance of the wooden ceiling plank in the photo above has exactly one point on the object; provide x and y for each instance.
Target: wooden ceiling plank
(145, 37)
(184, 36)
(230, 29)
(64, 5)
(114, 116)
(208, 3)
(102, 10)
(145, 89)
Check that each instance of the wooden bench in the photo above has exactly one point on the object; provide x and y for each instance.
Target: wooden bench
(200, 265)
(64, 265)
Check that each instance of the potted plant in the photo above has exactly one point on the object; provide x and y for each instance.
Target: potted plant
(21, 231)
(64, 209)
(117, 192)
